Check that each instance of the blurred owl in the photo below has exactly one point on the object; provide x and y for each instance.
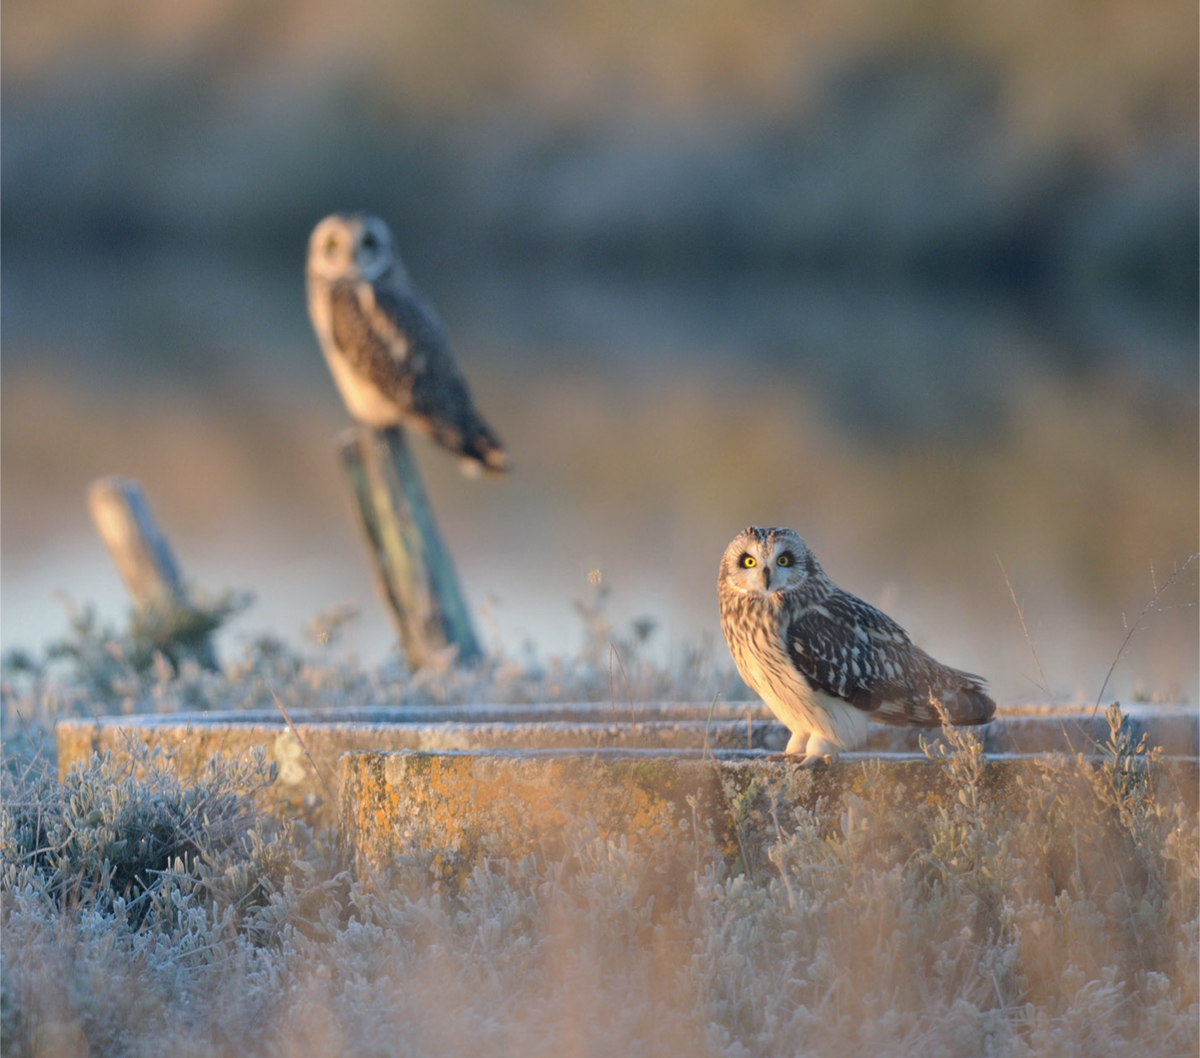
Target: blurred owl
(387, 349)
(823, 660)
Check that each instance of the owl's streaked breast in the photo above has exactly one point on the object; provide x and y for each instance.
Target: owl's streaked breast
(365, 401)
(363, 398)
(753, 628)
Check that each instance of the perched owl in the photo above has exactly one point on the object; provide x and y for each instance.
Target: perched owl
(387, 350)
(825, 661)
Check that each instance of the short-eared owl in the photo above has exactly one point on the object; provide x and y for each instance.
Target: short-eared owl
(387, 350)
(824, 660)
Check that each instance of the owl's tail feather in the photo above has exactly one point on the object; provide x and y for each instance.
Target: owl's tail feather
(481, 450)
(966, 702)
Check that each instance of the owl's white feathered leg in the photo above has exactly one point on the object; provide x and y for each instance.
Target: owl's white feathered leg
(812, 747)
(796, 744)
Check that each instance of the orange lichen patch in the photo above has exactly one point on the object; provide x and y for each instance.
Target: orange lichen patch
(460, 808)
(453, 811)
(457, 809)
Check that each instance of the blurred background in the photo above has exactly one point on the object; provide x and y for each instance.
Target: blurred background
(919, 280)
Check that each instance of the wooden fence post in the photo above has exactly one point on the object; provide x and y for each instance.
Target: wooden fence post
(163, 612)
(412, 565)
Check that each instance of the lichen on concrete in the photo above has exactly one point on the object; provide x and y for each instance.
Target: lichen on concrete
(454, 810)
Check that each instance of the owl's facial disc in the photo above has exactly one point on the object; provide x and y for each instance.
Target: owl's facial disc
(753, 574)
(350, 246)
(373, 252)
(331, 248)
(761, 562)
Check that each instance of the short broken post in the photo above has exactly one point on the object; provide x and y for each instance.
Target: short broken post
(163, 612)
(413, 567)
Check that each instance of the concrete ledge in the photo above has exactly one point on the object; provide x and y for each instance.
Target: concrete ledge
(451, 811)
(308, 756)
(307, 751)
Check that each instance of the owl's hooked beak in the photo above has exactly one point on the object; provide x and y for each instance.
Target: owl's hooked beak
(766, 578)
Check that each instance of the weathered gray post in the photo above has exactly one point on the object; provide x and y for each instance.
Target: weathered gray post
(163, 613)
(414, 570)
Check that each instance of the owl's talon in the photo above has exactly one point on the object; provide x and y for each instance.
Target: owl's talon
(805, 760)
(818, 760)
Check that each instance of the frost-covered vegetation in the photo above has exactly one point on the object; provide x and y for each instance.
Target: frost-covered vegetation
(146, 912)
(98, 669)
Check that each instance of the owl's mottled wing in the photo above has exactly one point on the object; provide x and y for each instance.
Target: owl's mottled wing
(399, 344)
(380, 336)
(850, 650)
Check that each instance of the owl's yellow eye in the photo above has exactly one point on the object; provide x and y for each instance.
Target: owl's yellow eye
(749, 561)
(785, 559)
(331, 246)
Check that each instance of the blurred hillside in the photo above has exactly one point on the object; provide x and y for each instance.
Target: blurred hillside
(1049, 159)
(938, 262)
